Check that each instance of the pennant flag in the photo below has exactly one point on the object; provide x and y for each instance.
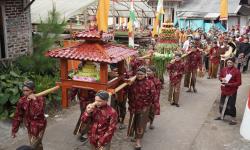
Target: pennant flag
(223, 9)
(245, 124)
(132, 19)
(130, 27)
(102, 15)
(158, 17)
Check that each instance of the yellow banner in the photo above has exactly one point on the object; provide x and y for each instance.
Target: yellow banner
(102, 15)
(223, 9)
(156, 25)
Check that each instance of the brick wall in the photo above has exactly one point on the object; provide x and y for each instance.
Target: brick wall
(18, 28)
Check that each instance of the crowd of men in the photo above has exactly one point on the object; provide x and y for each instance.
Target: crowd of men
(205, 52)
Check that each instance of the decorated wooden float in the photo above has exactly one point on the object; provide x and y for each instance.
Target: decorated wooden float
(95, 53)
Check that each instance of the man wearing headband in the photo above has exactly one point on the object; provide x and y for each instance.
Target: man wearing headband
(230, 78)
(135, 63)
(103, 120)
(193, 62)
(30, 109)
(118, 102)
(85, 97)
(154, 109)
(141, 96)
(176, 70)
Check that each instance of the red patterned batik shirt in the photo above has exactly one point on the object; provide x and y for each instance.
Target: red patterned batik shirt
(157, 84)
(176, 70)
(141, 94)
(32, 112)
(193, 61)
(103, 125)
(214, 55)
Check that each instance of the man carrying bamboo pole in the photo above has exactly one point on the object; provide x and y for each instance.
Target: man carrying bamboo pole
(155, 107)
(103, 120)
(193, 62)
(141, 96)
(118, 101)
(135, 63)
(230, 78)
(176, 71)
(30, 109)
(85, 97)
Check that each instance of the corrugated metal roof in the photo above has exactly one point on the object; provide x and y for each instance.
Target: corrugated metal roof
(70, 8)
(244, 10)
(67, 8)
(122, 8)
(212, 16)
(191, 15)
(208, 6)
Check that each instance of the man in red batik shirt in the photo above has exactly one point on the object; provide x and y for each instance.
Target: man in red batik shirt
(85, 97)
(135, 63)
(193, 62)
(214, 61)
(30, 109)
(141, 95)
(176, 71)
(103, 122)
(155, 107)
(230, 78)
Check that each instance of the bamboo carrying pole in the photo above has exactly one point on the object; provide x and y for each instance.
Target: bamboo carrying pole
(132, 79)
(145, 56)
(48, 91)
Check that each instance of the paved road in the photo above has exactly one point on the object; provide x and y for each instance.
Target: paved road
(176, 128)
(218, 135)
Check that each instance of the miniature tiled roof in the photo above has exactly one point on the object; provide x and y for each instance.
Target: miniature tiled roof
(88, 35)
(98, 52)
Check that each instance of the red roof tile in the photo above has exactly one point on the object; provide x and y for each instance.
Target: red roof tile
(97, 52)
(94, 35)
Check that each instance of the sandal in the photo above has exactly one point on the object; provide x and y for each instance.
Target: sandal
(218, 118)
(122, 126)
(151, 127)
(232, 122)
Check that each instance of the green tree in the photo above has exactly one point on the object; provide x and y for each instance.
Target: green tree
(49, 30)
(48, 33)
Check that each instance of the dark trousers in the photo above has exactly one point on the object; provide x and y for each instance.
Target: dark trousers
(230, 109)
(137, 123)
(120, 107)
(245, 68)
(36, 142)
(174, 93)
(206, 62)
(190, 78)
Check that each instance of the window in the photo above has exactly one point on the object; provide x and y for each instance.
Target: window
(117, 20)
(2, 43)
(150, 21)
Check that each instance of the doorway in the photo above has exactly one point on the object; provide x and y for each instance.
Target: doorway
(2, 43)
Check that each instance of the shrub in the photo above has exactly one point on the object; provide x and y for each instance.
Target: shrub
(10, 89)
